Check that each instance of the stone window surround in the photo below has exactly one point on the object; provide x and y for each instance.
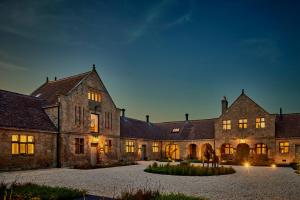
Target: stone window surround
(26, 145)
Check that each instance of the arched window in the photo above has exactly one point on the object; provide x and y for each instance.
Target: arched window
(261, 149)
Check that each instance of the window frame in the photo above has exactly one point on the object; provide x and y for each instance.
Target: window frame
(175, 130)
(243, 123)
(98, 128)
(285, 148)
(260, 122)
(79, 146)
(155, 147)
(226, 125)
(129, 146)
(228, 149)
(260, 148)
(108, 145)
(18, 142)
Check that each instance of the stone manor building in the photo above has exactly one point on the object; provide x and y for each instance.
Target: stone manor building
(74, 121)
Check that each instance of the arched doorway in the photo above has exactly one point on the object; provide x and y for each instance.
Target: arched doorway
(192, 151)
(172, 151)
(206, 151)
(242, 152)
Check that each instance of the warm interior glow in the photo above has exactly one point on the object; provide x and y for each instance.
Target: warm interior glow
(94, 127)
(175, 130)
(226, 124)
(242, 141)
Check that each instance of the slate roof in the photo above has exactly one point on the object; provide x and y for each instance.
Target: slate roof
(189, 130)
(288, 126)
(24, 112)
(133, 128)
(50, 90)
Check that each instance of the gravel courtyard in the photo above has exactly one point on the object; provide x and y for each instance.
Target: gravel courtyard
(252, 183)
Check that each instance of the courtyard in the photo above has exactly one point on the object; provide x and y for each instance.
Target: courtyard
(246, 183)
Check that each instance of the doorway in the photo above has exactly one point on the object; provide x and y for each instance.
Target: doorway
(144, 152)
(93, 156)
(192, 151)
(242, 152)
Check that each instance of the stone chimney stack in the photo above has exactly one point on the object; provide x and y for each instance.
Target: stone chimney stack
(186, 117)
(123, 112)
(147, 118)
(224, 104)
(94, 67)
(55, 78)
(280, 114)
(47, 79)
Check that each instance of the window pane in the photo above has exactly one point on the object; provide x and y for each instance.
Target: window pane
(94, 123)
(15, 138)
(15, 148)
(23, 138)
(22, 148)
(30, 139)
(30, 148)
(89, 95)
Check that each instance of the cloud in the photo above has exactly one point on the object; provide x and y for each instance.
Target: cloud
(6, 66)
(181, 20)
(265, 48)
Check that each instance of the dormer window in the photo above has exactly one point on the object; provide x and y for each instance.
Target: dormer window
(243, 123)
(226, 124)
(94, 96)
(260, 122)
(175, 130)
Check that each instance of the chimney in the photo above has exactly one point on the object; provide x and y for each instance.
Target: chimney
(186, 117)
(55, 78)
(47, 79)
(243, 91)
(94, 67)
(280, 114)
(123, 112)
(224, 104)
(147, 118)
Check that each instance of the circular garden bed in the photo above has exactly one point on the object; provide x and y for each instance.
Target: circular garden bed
(188, 170)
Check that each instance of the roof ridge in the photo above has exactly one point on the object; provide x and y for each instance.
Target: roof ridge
(193, 120)
(69, 77)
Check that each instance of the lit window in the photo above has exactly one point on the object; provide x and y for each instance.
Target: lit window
(129, 144)
(79, 146)
(94, 123)
(226, 124)
(175, 130)
(261, 149)
(260, 123)
(228, 149)
(108, 146)
(155, 147)
(22, 144)
(284, 147)
(94, 96)
(243, 123)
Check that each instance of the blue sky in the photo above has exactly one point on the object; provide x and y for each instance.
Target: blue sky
(163, 58)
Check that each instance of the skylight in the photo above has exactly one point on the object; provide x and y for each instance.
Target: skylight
(175, 130)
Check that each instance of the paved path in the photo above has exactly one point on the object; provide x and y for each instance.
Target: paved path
(255, 183)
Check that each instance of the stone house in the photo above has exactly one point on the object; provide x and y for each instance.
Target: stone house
(74, 121)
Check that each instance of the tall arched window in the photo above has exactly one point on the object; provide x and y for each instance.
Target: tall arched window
(228, 149)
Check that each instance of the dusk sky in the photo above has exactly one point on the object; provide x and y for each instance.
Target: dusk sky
(162, 58)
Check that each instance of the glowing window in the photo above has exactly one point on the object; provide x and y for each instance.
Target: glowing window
(108, 146)
(129, 145)
(260, 122)
(228, 149)
(284, 147)
(94, 127)
(155, 147)
(226, 124)
(243, 123)
(175, 130)
(261, 149)
(22, 144)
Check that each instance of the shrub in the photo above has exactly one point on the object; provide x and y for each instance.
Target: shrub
(189, 170)
(179, 196)
(33, 191)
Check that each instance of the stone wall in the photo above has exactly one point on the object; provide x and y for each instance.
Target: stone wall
(294, 151)
(44, 154)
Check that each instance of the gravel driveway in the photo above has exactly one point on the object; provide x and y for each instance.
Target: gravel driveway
(252, 183)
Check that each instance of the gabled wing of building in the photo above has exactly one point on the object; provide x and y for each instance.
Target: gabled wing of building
(23, 112)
